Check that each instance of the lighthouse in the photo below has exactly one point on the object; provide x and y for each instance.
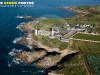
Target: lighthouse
(52, 33)
(36, 32)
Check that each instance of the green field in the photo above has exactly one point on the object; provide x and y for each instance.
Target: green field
(94, 61)
(48, 23)
(88, 47)
(87, 37)
(91, 51)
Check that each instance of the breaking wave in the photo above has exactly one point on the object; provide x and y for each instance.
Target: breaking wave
(19, 26)
(30, 47)
(17, 39)
(19, 16)
(14, 61)
(14, 51)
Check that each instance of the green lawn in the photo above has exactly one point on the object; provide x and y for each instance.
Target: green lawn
(87, 37)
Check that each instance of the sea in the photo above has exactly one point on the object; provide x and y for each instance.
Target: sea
(9, 33)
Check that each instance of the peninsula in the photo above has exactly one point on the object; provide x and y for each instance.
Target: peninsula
(65, 43)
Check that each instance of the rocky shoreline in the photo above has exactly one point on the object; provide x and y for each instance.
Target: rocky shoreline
(47, 61)
(29, 57)
(75, 10)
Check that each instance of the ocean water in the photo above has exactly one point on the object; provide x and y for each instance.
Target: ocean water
(8, 30)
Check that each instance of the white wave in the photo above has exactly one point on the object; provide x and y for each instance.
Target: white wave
(17, 39)
(14, 51)
(22, 23)
(30, 47)
(17, 61)
(19, 16)
(14, 62)
(19, 26)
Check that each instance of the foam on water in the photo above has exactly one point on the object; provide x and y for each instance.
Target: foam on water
(19, 16)
(14, 51)
(19, 26)
(14, 61)
(30, 47)
(17, 61)
(17, 39)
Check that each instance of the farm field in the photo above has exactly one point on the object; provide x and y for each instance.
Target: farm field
(88, 47)
(87, 37)
(94, 61)
(90, 50)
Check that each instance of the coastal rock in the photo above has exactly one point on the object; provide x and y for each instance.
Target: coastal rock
(26, 40)
(29, 40)
(28, 17)
(29, 57)
(52, 60)
(49, 61)
(67, 52)
(27, 27)
(75, 10)
(37, 42)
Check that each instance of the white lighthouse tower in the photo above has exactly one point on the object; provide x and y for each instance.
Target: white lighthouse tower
(52, 33)
(36, 32)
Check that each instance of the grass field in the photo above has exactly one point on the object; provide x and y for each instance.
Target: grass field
(73, 67)
(91, 51)
(52, 43)
(87, 37)
(48, 23)
(88, 47)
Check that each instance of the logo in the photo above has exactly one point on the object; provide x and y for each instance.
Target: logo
(16, 4)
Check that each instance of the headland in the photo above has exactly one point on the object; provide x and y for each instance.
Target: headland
(55, 41)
